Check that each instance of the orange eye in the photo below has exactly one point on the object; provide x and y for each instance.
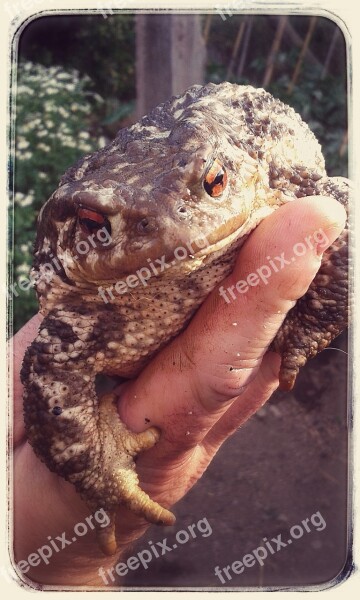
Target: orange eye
(215, 180)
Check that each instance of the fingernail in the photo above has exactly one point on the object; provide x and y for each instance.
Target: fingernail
(336, 221)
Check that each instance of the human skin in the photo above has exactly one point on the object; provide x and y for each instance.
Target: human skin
(187, 390)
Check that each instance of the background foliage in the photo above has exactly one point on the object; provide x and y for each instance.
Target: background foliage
(54, 127)
(76, 87)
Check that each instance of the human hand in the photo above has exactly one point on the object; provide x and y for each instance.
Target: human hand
(198, 390)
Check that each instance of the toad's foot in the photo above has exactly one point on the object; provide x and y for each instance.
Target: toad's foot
(322, 313)
(120, 482)
(79, 435)
(318, 317)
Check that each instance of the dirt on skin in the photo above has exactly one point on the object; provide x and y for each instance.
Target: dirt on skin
(286, 464)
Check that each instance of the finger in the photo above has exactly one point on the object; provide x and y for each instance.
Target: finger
(245, 405)
(187, 387)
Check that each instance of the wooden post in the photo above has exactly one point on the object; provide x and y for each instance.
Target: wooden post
(302, 54)
(207, 28)
(245, 46)
(274, 51)
(170, 57)
(235, 49)
(330, 53)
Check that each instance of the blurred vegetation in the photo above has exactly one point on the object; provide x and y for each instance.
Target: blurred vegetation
(320, 91)
(54, 128)
(104, 49)
(76, 87)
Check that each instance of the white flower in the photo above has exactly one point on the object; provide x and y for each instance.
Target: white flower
(64, 113)
(43, 147)
(84, 147)
(19, 197)
(63, 128)
(98, 98)
(63, 76)
(23, 269)
(49, 106)
(101, 142)
(23, 200)
(69, 143)
(23, 144)
(61, 110)
(25, 89)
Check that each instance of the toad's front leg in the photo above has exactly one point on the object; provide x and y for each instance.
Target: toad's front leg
(79, 436)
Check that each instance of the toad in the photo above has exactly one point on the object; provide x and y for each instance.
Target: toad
(130, 244)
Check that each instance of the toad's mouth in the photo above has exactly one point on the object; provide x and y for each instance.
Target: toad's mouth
(164, 258)
(211, 250)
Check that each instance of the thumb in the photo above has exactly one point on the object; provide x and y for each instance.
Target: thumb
(188, 386)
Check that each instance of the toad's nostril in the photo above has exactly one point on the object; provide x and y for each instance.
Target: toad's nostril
(182, 211)
(146, 225)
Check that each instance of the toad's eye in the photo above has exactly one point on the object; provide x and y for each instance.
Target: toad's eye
(215, 179)
(92, 221)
